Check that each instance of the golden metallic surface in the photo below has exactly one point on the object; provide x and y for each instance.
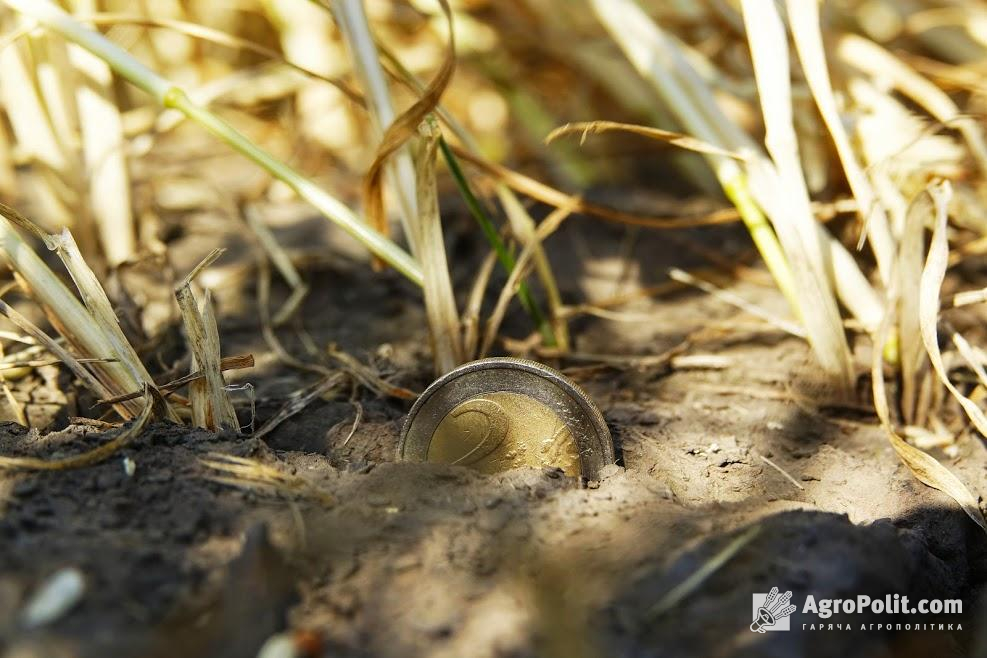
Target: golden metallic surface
(498, 414)
(500, 430)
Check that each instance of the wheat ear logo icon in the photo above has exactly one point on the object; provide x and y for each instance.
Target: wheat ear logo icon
(774, 608)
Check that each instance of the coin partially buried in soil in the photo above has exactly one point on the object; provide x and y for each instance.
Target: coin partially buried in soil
(497, 414)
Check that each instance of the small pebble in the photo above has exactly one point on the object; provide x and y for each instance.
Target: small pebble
(281, 645)
(56, 596)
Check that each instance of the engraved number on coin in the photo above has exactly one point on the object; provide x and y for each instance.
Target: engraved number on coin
(498, 414)
(493, 426)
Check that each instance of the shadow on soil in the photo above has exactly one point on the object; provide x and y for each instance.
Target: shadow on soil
(421, 560)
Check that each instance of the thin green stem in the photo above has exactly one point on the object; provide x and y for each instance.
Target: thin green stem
(504, 256)
(521, 222)
(324, 202)
(763, 235)
(169, 95)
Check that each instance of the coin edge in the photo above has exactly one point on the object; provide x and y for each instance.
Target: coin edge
(553, 375)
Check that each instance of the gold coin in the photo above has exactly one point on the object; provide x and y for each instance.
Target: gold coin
(500, 431)
(497, 414)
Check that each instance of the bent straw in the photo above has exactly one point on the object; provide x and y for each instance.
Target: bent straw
(352, 21)
(173, 97)
(503, 255)
(645, 48)
(659, 59)
(87, 327)
(521, 222)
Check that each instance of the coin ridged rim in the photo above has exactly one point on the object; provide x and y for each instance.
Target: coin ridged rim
(556, 378)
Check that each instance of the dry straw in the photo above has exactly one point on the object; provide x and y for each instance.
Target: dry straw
(90, 326)
(352, 20)
(925, 467)
(440, 303)
(171, 96)
(211, 406)
(785, 196)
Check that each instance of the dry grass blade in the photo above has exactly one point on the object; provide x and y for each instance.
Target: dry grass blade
(870, 57)
(366, 376)
(947, 75)
(803, 16)
(666, 136)
(218, 37)
(103, 148)
(545, 229)
(973, 361)
(967, 297)
(228, 363)
(40, 363)
(211, 406)
(8, 176)
(660, 58)
(267, 326)
(474, 303)
(912, 353)
(57, 175)
(352, 20)
(698, 577)
(26, 111)
(17, 408)
(91, 457)
(403, 127)
(783, 473)
(209, 259)
(735, 300)
(252, 474)
(70, 361)
(92, 331)
(198, 398)
(923, 466)
(299, 400)
(281, 261)
(55, 80)
(213, 369)
(852, 287)
(97, 303)
(557, 198)
(928, 305)
(522, 225)
(785, 196)
(13, 335)
(440, 302)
